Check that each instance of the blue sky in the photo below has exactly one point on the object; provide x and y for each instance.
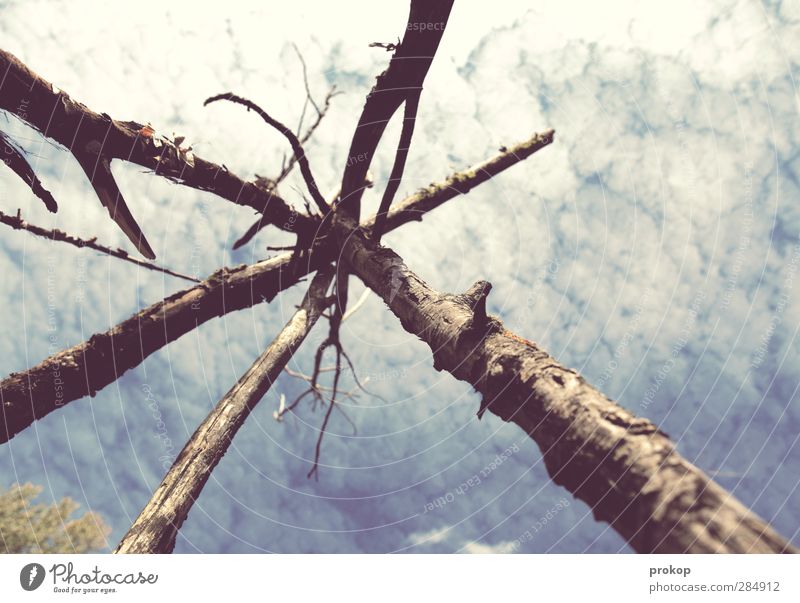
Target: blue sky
(654, 247)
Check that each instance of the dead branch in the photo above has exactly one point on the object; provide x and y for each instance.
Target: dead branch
(31, 394)
(334, 389)
(287, 167)
(14, 157)
(97, 167)
(297, 147)
(156, 528)
(17, 223)
(259, 224)
(358, 305)
(309, 96)
(315, 388)
(415, 206)
(387, 46)
(318, 391)
(401, 81)
(404, 76)
(396, 176)
(57, 116)
(89, 366)
(622, 466)
(321, 113)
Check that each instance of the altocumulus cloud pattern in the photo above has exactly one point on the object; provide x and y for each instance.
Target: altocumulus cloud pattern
(655, 247)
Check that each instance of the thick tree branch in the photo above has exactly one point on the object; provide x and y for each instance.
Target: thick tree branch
(88, 367)
(97, 168)
(156, 528)
(73, 125)
(622, 466)
(17, 223)
(400, 83)
(404, 76)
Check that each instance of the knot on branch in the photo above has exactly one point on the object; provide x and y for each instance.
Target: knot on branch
(475, 298)
(471, 324)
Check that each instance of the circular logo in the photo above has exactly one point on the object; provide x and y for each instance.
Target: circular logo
(31, 576)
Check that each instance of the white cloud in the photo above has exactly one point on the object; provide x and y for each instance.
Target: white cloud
(670, 121)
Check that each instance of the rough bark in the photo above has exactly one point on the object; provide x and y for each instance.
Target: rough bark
(54, 234)
(156, 528)
(78, 128)
(401, 81)
(88, 367)
(622, 466)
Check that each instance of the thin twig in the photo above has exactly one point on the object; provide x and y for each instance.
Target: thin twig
(17, 223)
(309, 97)
(286, 169)
(315, 467)
(297, 146)
(358, 305)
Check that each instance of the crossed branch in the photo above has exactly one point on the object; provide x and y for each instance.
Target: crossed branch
(621, 465)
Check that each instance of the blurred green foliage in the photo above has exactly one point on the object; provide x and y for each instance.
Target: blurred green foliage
(28, 527)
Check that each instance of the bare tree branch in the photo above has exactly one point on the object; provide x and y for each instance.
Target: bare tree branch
(321, 392)
(402, 80)
(97, 167)
(17, 223)
(89, 366)
(156, 528)
(73, 125)
(403, 146)
(332, 402)
(14, 157)
(622, 466)
(32, 394)
(403, 77)
(309, 96)
(413, 207)
(297, 147)
(286, 170)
